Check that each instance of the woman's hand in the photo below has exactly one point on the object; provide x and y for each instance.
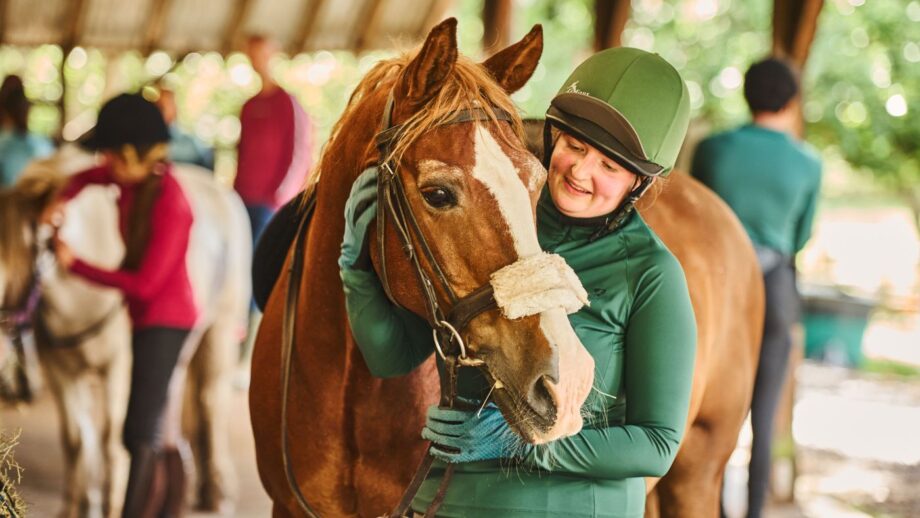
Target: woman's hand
(53, 214)
(469, 436)
(360, 211)
(63, 253)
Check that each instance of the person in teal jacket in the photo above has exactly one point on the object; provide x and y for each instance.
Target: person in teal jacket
(18, 146)
(614, 128)
(771, 180)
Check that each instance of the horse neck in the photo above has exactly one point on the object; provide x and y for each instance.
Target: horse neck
(91, 229)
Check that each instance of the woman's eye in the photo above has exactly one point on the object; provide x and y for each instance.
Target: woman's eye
(439, 197)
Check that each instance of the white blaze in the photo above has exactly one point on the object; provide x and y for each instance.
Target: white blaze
(576, 367)
(496, 171)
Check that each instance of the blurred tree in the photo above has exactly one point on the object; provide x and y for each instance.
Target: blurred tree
(863, 91)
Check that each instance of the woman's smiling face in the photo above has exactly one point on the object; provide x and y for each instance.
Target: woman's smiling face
(584, 182)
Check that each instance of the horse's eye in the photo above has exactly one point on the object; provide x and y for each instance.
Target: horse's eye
(439, 197)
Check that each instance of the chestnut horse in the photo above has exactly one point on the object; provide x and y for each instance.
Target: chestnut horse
(355, 438)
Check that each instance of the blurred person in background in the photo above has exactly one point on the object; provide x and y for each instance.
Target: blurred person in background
(155, 220)
(18, 146)
(771, 180)
(183, 146)
(275, 142)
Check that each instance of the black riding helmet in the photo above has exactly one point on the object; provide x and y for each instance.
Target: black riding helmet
(127, 119)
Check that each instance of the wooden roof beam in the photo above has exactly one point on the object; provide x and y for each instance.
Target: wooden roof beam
(368, 21)
(610, 17)
(234, 31)
(307, 26)
(73, 24)
(159, 11)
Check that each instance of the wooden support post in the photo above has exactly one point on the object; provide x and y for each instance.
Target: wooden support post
(234, 31)
(794, 26)
(496, 21)
(610, 17)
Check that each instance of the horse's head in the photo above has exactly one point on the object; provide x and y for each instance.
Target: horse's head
(471, 187)
(20, 208)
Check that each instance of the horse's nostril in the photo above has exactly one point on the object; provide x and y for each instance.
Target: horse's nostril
(541, 399)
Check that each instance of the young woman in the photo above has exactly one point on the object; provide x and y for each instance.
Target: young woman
(155, 220)
(615, 127)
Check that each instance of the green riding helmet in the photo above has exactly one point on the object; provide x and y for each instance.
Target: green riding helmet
(630, 104)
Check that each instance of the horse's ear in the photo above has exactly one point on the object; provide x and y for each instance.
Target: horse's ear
(426, 72)
(513, 66)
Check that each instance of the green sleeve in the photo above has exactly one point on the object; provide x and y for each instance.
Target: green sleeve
(807, 218)
(658, 372)
(392, 340)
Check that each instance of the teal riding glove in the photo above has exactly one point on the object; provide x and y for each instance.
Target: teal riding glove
(470, 436)
(360, 210)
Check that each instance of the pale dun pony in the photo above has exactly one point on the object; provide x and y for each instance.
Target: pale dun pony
(89, 380)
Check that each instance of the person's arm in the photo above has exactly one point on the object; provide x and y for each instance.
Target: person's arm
(169, 236)
(392, 340)
(658, 372)
(807, 218)
(76, 183)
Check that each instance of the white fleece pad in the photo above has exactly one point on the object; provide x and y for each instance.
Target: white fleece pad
(536, 284)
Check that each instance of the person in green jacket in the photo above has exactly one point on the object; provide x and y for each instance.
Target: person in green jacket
(770, 179)
(614, 128)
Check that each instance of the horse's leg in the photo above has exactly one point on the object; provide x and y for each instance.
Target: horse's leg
(174, 447)
(212, 369)
(115, 376)
(83, 465)
(693, 486)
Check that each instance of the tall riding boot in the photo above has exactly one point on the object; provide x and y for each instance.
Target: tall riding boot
(178, 471)
(146, 478)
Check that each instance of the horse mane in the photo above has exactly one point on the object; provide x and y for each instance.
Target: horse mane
(15, 258)
(19, 206)
(467, 86)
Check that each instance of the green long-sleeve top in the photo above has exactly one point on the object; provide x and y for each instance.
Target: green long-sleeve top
(641, 332)
(768, 178)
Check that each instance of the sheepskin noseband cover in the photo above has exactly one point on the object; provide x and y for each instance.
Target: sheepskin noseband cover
(535, 284)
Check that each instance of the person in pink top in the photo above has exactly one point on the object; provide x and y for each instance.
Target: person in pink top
(155, 220)
(274, 151)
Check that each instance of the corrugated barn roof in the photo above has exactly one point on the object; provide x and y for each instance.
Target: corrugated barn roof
(180, 26)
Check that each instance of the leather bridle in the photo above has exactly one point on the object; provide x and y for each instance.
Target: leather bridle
(392, 203)
(446, 323)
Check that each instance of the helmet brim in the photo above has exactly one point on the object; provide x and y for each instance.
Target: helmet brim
(603, 127)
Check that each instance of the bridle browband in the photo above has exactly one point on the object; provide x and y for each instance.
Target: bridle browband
(446, 323)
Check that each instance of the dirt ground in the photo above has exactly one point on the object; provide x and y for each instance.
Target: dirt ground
(857, 454)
